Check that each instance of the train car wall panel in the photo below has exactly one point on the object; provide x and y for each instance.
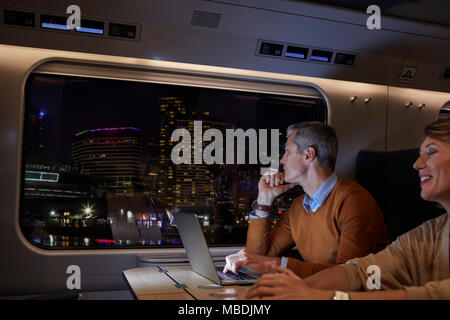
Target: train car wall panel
(409, 111)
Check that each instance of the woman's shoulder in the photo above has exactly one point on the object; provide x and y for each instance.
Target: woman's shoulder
(429, 231)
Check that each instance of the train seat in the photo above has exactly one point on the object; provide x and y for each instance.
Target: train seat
(394, 183)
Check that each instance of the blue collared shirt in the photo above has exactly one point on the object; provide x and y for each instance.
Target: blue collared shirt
(319, 197)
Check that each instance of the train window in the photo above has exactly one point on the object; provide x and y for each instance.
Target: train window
(98, 170)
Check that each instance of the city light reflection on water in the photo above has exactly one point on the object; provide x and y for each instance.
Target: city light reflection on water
(76, 242)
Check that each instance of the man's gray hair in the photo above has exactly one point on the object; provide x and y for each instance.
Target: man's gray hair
(319, 136)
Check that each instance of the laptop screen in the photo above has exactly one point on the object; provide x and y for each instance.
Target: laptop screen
(195, 244)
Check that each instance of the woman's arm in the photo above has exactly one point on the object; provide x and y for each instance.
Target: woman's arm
(334, 278)
(286, 285)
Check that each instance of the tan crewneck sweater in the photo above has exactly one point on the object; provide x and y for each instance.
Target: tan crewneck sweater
(418, 261)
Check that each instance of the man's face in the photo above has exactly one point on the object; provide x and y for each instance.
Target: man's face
(293, 161)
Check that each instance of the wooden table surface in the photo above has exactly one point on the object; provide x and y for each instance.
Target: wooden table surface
(178, 283)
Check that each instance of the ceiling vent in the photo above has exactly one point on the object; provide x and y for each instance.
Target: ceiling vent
(205, 19)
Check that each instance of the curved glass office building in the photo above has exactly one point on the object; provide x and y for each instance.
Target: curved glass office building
(112, 154)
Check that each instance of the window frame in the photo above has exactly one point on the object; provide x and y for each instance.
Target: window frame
(202, 78)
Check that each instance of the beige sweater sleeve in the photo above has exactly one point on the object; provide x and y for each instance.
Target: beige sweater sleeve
(418, 262)
(394, 271)
(436, 290)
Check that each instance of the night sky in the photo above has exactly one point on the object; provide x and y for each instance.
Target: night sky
(74, 104)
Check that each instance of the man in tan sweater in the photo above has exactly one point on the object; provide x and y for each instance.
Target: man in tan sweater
(334, 221)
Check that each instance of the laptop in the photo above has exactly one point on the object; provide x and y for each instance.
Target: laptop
(199, 256)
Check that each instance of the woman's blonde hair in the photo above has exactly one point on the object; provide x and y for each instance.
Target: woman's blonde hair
(439, 130)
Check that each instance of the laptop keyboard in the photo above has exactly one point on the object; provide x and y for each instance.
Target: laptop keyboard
(233, 276)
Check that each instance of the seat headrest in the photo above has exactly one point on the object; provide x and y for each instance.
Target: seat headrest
(391, 179)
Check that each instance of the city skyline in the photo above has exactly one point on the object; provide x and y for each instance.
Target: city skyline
(125, 105)
(110, 143)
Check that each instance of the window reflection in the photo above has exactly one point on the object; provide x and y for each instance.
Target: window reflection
(98, 169)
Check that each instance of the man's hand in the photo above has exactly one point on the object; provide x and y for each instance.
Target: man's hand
(254, 262)
(285, 285)
(270, 186)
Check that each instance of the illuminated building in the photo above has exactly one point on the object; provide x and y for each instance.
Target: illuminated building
(151, 171)
(171, 109)
(114, 154)
(195, 184)
(184, 185)
(34, 137)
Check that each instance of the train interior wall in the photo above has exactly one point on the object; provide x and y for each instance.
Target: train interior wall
(378, 119)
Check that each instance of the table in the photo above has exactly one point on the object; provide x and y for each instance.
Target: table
(177, 283)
